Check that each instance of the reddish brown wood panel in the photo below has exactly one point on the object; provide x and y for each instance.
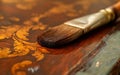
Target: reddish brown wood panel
(21, 21)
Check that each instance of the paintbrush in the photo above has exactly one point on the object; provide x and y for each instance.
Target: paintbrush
(71, 30)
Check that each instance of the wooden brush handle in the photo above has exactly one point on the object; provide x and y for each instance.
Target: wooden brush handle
(116, 8)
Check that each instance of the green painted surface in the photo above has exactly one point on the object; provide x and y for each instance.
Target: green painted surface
(104, 61)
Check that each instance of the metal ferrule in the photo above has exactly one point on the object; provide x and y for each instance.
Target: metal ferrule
(90, 22)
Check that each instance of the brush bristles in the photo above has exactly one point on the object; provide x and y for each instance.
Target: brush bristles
(59, 35)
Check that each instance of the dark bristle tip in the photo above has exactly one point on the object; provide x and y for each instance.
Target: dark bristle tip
(59, 36)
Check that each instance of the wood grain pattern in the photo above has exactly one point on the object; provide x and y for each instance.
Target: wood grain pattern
(22, 21)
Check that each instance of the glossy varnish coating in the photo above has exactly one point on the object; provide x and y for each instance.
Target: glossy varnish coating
(22, 21)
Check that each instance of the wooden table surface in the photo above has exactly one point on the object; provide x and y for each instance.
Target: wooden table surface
(21, 21)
